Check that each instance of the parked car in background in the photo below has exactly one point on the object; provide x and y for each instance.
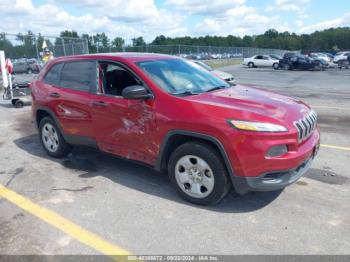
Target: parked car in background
(223, 75)
(344, 63)
(28, 66)
(277, 57)
(300, 62)
(289, 54)
(176, 117)
(323, 56)
(341, 56)
(324, 61)
(261, 61)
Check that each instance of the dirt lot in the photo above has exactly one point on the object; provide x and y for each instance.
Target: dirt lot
(135, 208)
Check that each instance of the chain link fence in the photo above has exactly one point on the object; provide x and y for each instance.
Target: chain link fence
(30, 46)
(196, 52)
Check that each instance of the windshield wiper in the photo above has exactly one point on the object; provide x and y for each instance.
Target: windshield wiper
(216, 88)
(185, 93)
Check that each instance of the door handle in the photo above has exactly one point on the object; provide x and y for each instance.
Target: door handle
(56, 95)
(100, 103)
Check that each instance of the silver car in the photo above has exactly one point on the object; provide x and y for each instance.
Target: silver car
(221, 74)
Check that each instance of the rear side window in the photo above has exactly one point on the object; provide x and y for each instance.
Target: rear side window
(79, 75)
(53, 76)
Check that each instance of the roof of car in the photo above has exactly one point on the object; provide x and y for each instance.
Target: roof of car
(134, 57)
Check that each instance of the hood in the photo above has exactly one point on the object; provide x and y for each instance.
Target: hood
(254, 104)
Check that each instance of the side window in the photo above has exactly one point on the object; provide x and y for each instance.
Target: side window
(53, 76)
(259, 57)
(79, 75)
(114, 78)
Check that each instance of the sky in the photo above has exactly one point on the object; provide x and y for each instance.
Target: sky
(149, 18)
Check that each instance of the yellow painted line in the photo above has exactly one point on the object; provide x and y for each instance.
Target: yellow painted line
(336, 147)
(75, 231)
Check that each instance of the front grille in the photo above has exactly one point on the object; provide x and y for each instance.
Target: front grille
(306, 125)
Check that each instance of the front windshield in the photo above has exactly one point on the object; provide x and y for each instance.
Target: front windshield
(204, 65)
(180, 77)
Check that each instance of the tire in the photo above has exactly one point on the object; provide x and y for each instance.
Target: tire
(49, 132)
(29, 71)
(204, 177)
(18, 103)
(275, 66)
(251, 65)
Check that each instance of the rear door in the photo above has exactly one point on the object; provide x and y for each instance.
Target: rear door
(70, 97)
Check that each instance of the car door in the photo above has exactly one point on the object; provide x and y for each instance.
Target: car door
(70, 97)
(122, 127)
(258, 60)
(18, 67)
(266, 61)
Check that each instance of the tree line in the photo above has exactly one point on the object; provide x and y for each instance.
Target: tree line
(332, 39)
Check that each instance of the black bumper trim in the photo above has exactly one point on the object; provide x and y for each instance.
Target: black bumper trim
(270, 181)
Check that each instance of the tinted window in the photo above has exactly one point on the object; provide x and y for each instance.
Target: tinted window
(79, 75)
(259, 57)
(52, 77)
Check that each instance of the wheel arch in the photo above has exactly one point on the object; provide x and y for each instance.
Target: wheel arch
(175, 138)
(42, 112)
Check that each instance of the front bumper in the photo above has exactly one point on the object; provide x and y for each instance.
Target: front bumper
(271, 181)
(275, 180)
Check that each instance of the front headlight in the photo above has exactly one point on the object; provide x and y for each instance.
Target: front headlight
(257, 126)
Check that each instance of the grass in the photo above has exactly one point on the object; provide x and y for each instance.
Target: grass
(216, 63)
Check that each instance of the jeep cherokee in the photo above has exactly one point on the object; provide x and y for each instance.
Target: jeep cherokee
(175, 116)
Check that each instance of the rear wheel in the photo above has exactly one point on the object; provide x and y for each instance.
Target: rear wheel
(51, 138)
(29, 71)
(198, 173)
(250, 64)
(275, 66)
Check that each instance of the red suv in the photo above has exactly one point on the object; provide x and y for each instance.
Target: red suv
(177, 117)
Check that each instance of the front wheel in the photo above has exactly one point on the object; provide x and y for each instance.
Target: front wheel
(198, 173)
(275, 66)
(51, 139)
(17, 103)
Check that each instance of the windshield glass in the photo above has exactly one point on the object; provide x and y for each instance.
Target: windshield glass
(204, 65)
(180, 77)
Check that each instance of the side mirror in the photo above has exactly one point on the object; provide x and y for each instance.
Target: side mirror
(136, 92)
